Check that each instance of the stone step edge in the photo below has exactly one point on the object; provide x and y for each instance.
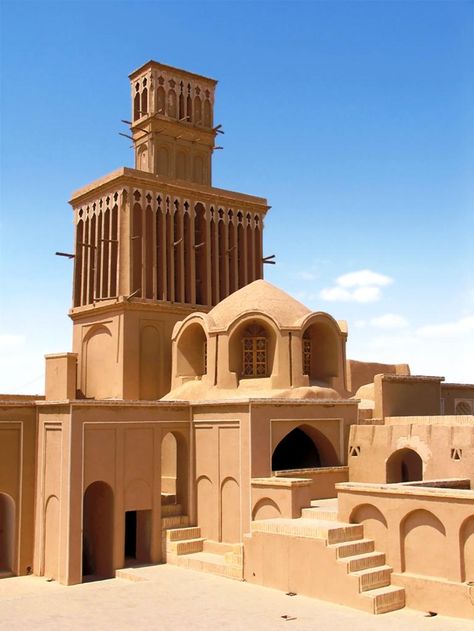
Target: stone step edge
(179, 547)
(370, 556)
(394, 594)
(181, 534)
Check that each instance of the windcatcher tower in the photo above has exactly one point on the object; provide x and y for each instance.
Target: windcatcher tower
(154, 243)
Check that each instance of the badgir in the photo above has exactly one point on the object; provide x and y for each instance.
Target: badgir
(206, 418)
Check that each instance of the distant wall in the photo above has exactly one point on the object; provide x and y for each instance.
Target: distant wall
(360, 373)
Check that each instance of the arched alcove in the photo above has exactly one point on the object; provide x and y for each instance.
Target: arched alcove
(230, 511)
(404, 465)
(51, 537)
(206, 507)
(100, 363)
(7, 533)
(265, 508)
(160, 100)
(150, 354)
(295, 451)
(321, 347)
(422, 540)
(98, 531)
(191, 351)
(174, 469)
(375, 524)
(466, 549)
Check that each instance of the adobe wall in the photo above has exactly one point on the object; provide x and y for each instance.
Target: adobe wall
(108, 457)
(361, 373)
(454, 394)
(17, 484)
(124, 350)
(399, 395)
(434, 439)
(427, 535)
(327, 423)
(222, 470)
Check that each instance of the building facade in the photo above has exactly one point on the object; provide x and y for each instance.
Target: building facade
(206, 418)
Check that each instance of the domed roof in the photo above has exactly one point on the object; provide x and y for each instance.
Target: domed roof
(259, 297)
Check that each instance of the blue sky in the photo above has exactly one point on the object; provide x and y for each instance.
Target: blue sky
(355, 120)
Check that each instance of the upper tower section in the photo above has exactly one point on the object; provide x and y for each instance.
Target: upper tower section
(172, 122)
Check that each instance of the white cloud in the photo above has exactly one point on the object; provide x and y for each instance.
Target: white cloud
(363, 278)
(389, 321)
(362, 286)
(447, 329)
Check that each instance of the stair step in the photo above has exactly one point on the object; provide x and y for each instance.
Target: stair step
(185, 547)
(353, 548)
(174, 521)
(374, 577)
(386, 599)
(208, 562)
(171, 509)
(364, 561)
(323, 514)
(179, 534)
(330, 531)
(168, 498)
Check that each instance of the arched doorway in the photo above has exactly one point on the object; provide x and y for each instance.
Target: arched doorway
(169, 469)
(174, 470)
(97, 532)
(295, 451)
(404, 465)
(7, 533)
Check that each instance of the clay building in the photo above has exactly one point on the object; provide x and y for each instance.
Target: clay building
(206, 418)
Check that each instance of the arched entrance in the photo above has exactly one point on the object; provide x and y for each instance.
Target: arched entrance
(174, 470)
(404, 465)
(295, 451)
(7, 533)
(97, 532)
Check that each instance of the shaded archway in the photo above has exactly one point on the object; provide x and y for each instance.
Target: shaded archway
(7, 533)
(191, 351)
(404, 465)
(174, 470)
(321, 349)
(295, 451)
(98, 531)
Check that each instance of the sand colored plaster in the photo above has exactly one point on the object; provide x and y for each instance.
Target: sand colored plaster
(208, 420)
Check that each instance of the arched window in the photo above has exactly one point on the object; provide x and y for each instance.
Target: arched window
(254, 352)
(306, 353)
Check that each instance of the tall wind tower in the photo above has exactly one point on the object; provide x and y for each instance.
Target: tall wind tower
(155, 243)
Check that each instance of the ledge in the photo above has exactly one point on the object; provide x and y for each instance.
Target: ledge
(407, 490)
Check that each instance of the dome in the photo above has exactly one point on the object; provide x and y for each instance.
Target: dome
(259, 297)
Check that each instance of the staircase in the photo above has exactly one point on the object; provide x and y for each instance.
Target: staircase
(338, 564)
(184, 546)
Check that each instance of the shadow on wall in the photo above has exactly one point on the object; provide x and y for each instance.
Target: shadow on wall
(303, 448)
(7, 533)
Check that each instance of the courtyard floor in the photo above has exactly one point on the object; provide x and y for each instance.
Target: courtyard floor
(175, 599)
